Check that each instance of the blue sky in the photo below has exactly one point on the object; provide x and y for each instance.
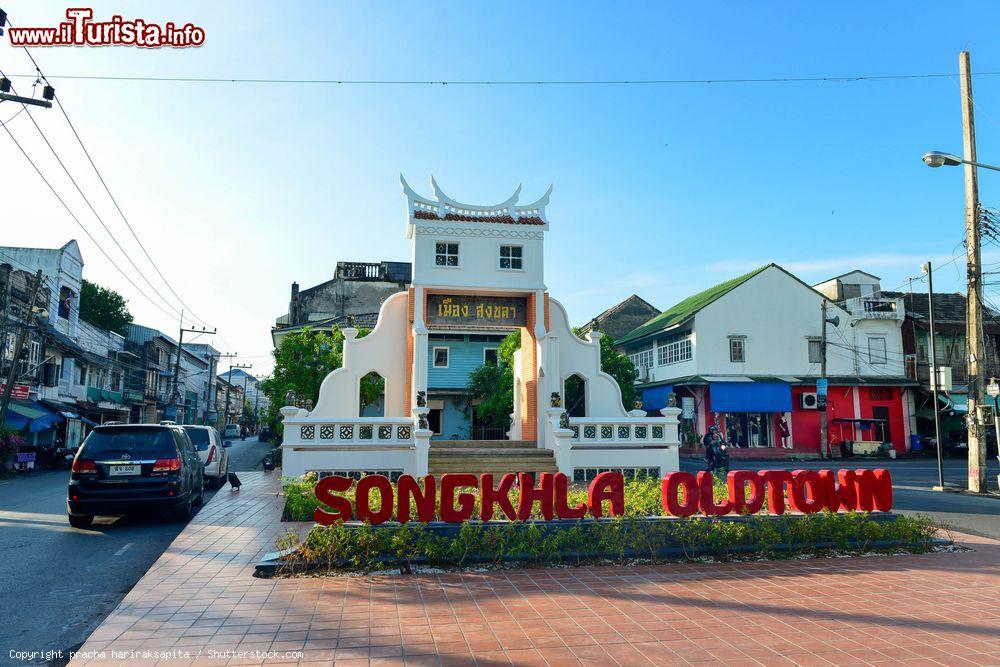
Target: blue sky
(239, 189)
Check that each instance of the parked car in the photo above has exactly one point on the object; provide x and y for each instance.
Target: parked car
(213, 454)
(134, 469)
(231, 431)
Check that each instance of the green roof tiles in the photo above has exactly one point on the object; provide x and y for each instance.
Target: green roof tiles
(684, 310)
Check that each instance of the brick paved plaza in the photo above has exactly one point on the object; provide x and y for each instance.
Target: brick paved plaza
(936, 609)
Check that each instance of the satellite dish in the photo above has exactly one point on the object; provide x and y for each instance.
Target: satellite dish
(835, 320)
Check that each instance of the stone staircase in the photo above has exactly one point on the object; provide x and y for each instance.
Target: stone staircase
(492, 456)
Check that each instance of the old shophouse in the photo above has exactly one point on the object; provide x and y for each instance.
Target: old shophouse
(746, 355)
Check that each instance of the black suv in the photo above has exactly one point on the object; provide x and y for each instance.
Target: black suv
(134, 469)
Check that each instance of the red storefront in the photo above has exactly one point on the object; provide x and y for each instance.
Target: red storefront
(856, 412)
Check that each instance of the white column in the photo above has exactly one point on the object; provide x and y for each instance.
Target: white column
(419, 370)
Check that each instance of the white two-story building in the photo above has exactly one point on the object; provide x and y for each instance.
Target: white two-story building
(746, 355)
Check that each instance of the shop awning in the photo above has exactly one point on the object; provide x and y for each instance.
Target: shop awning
(750, 397)
(955, 402)
(36, 417)
(655, 398)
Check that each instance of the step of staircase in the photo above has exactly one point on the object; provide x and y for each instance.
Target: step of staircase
(483, 444)
(489, 456)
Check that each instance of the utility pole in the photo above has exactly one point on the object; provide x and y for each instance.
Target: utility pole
(177, 365)
(928, 269)
(230, 356)
(19, 345)
(229, 383)
(974, 314)
(822, 374)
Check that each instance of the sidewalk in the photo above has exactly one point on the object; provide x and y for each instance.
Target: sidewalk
(936, 609)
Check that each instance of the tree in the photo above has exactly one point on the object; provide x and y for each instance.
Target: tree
(493, 385)
(301, 363)
(103, 307)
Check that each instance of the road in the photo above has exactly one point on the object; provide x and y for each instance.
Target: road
(58, 583)
(912, 481)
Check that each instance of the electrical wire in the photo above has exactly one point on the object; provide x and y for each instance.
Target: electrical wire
(510, 82)
(77, 220)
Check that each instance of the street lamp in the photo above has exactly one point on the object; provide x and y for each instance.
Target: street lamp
(937, 159)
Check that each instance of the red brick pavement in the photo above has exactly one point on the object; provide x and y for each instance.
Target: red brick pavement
(935, 609)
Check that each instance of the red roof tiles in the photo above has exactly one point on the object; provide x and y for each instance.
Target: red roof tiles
(501, 219)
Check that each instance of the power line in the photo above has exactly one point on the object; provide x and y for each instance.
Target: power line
(77, 220)
(100, 177)
(122, 214)
(509, 82)
(96, 214)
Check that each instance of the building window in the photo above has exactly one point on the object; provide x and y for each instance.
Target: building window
(511, 257)
(490, 355)
(815, 351)
(642, 358)
(674, 352)
(440, 357)
(876, 351)
(737, 349)
(445, 254)
(82, 377)
(65, 300)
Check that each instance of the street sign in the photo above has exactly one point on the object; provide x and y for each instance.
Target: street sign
(19, 390)
(993, 389)
(822, 385)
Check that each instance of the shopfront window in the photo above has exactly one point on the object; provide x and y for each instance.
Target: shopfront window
(748, 429)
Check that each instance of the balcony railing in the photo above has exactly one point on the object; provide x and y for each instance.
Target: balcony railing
(633, 430)
(874, 307)
(360, 270)
(362, 430)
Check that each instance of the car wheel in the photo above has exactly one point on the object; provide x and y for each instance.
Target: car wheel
(185, 513)
(80, 520)
(201, 494)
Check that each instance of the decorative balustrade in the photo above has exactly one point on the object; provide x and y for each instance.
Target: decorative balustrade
(634, 430)
(357, 431)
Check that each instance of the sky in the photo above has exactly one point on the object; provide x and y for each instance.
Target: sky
(662, 190)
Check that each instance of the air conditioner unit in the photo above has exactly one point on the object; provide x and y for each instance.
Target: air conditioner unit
(808, 400)
(642, 373)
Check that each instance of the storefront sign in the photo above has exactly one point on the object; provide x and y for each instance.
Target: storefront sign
(463, 309)
(682, 494)
(19, 390)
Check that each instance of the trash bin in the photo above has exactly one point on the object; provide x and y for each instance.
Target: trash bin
(915, 443)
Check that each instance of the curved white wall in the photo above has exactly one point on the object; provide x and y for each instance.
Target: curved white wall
(604, 398)
(383, 351)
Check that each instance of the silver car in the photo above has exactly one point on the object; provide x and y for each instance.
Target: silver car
(213, 453)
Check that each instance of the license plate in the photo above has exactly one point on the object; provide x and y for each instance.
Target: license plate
(120, 471)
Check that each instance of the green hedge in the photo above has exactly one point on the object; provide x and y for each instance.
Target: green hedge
(365, 548)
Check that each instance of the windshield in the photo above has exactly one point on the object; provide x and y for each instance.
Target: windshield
(139, 442)
(199, 436)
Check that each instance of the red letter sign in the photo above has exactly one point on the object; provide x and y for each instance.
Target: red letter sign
(529, 494)
(362, 499)
(325, 493)
(607, 486)
(488, 496)
(407, 489)
(563, 510)
(737, 481)
(668, 494)
(466, 501)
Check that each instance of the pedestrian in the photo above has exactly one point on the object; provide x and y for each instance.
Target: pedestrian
(784, 432)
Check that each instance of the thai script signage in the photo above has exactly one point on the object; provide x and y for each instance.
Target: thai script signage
(17, 391)
(463, 309)
(682, 494)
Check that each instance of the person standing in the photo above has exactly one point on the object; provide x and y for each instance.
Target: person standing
(784, 433)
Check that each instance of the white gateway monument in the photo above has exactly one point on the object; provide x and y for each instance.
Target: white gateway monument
(478, 275)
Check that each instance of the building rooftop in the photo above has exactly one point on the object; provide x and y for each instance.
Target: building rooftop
(443, 207)
(684, 310)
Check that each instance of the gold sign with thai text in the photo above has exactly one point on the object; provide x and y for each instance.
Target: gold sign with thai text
(476, 311)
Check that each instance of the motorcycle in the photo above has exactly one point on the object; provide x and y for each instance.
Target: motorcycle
(718, 458)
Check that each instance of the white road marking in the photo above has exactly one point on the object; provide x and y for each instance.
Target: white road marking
(123, 549)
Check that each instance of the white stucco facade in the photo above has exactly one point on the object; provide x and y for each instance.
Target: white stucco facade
(475, 269)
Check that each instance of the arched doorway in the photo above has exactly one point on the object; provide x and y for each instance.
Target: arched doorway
(575, 395)
(371, 395)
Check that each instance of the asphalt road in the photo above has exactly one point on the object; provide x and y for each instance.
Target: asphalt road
(912, 481)
(58, 583)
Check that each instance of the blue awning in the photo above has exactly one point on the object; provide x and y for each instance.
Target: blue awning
(750, 397)
(655, 398)
(23, 412)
